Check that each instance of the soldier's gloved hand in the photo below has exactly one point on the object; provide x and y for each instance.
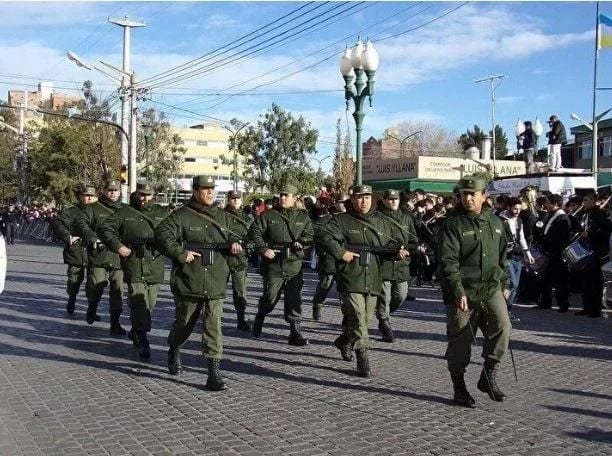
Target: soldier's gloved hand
(191, 256)
(236, 248)
(348, 256)
(124, 251)
(269, 254)
(421, 249)
(74, 239)
(297, 246)
(98, 243)
(403, 254)
(462, 303)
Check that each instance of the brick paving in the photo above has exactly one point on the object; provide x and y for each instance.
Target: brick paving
(67, 388)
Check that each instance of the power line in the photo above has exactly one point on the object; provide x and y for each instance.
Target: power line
(187, 111)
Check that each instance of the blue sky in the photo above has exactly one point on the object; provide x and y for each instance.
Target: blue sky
(545, 49)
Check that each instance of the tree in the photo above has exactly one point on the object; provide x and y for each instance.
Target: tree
(165, 151)
(434, 140)
(344, 168)
(276, 151)
(473, 138)
(9, 142)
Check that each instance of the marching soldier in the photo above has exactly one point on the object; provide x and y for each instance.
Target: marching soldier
(75, 251)
(129, 232)
(280, 236)
(104, 267)
(395, 273)
(359, 240)
(239, 264)
(474, 279)
(198, 237)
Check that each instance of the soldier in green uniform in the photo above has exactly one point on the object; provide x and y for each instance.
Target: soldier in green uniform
(104, 267)
(129, 232)
(474, 279)
(75, 251)
(239, 264)
(199, 237)
(359, 240)
(395, 272)
(280, 235)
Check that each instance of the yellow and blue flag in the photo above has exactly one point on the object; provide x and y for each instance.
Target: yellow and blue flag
(605, 31)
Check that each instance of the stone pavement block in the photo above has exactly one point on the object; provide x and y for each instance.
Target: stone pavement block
(70, 388)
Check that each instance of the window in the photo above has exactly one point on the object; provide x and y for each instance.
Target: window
(200, 142)
(585, 150)
(606, 146)
(190, 159)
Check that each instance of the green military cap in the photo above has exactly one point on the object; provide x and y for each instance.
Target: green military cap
(204, 181)
(88, 190)
(362, 189)
(234, 194)
(288, 189)
(144, 188)
(112, 185)
(472, 184)
(391, 194)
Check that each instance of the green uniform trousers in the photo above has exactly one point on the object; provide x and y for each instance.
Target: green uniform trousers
(292, 288)
(239, 289)
(491, 317)
(141, 299)
(98, 279)
(358, 310)
(187, 313)
(394, 294)
(325, 283)
(76, 275)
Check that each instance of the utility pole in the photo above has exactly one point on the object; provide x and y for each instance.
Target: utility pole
(23, 146)
(133, 134)
(492, 79)
(125, 93)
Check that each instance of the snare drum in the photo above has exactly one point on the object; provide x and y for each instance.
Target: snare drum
(606, 270)
(540, 261)
(577, 255)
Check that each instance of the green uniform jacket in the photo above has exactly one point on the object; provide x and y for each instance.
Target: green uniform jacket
(65, 226)
(184, 226)
(242, 223)
(472, 256)
(271, 228)
(346, 228)
(88, 227)
(402, 227)
(327, 263)
(128, 226)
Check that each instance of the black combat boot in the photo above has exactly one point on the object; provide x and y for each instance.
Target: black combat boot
(385, 329)
(363, 363)
(258, 324)
(295, 336)
(345, 348)
(316, 312)
(71, 304)
(488, 383)
(214, 381)
(144, 352)
(241, 323)
(115, 326)
(462, 396)
(133, 336)
(92, 314)
(174, 360)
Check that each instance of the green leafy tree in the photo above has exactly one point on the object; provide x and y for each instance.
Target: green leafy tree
(276, 151)
(9, 141)
(501, 142)
(473, 138)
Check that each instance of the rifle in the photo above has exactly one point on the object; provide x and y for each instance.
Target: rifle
(285, 248)
(207, 250)
(140, 246)
(366, 251)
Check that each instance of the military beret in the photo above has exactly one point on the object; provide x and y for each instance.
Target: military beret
(204, 181)
(112, 185)
(288, 189)
(391, 194)
(88, 190)
(234, 194)
(472, 184)
(362, 189)
(144, 188)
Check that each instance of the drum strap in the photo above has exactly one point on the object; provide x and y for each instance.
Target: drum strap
(552, 219)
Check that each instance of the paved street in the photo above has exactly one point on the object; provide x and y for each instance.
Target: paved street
(67, 388)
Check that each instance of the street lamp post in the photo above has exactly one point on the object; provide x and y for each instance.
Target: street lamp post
(235, 132)
(354, 63)
(593, 127)
(402, 141)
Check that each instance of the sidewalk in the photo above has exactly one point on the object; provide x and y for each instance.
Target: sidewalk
(67, 388)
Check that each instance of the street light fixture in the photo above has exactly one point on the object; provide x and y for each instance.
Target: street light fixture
(402, 141)
(355, 62)
(593, 127)
(240, 126)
